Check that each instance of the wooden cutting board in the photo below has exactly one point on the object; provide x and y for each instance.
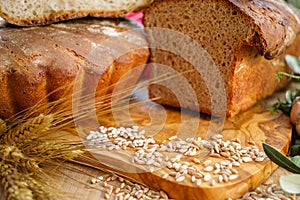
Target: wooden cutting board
(257, 124)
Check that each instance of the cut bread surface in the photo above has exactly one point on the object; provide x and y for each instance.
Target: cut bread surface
(33, 12)
(245, 39)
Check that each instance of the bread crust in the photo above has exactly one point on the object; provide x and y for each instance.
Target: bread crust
(56, 16)
(40, 64)
(276, 24)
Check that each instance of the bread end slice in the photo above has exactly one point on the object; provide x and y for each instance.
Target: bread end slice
(39, 12)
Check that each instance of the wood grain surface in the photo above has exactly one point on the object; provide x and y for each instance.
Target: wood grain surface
(77, 184)
(257, 124)
(73, 180)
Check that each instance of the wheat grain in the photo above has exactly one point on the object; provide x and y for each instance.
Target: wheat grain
(196, 161)
(213, 182)
(165, 176)
(206, 163)
(209, 168)
(225, 177)
(215, 155)
(106, 196)
(220, 178)
(247, 159)
(125, 189)
(193, 179)
(207, 177)
(199, 182)
(172, 137)
(148, 152)
(180, 179)
(94, 180)
(268, 191)
(233, 177)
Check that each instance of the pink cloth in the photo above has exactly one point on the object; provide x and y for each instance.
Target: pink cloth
(136, 16)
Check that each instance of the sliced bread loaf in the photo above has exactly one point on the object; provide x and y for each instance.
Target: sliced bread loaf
(246, 39)
(35, 12)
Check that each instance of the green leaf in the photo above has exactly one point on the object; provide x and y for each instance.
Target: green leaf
(286, 106)
(295, 3)
(297, 142)
(295, 93)
(295, 150)
(290, 183)
(296, 160)
(289, 96)
(280, 159)
(293, 62)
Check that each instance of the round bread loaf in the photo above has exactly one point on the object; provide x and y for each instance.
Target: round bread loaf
(36, 62)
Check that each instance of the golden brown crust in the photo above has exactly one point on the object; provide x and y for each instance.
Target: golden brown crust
(61, 16)
(7, 101)
(42, 60)
(74, 14)
(255, 77)
(275, 22)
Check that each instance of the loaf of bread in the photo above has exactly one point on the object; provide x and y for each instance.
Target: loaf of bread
(35, 12)
(246, 39)
(36, 62)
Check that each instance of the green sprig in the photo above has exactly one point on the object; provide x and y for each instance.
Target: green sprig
(285, 106)
(291, 75)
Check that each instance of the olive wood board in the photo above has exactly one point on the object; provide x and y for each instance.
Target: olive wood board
(256, 124)
(80, 187)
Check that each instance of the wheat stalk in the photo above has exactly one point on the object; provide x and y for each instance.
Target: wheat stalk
(29, 142)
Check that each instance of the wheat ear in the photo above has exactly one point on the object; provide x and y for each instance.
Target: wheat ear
(3, 127)
(46, 150)
(28, 130)
(39, 192)
(14, 184)
(13, 155)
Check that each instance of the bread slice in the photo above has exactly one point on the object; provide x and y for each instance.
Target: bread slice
(33, 12)
(246, 40)
(39, 64)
